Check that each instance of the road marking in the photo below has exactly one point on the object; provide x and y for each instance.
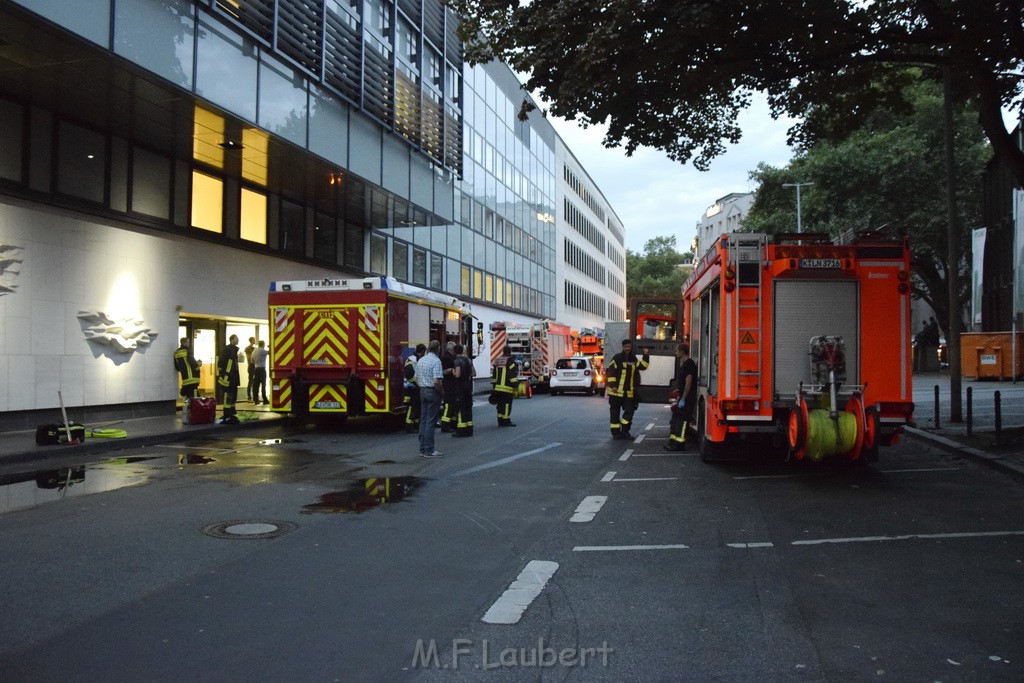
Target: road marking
(824, 474)
(639, 438)
(658, 455)
(923, 469)
(904, 537)
(767, 544)
(590, 506)
(608, 476)
(649, 427)
(505, 461)
(598, 548)
(509, 608)
(625, 456)
(648, 479)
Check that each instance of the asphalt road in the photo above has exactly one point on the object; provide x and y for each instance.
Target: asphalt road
(543, 552)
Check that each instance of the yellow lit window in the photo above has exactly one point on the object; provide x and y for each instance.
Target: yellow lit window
(499, 291)
(254, 216)
(465, 282)
(489, 288)
(478, 284)
(207, 202)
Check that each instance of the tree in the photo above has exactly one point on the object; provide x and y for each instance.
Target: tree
(674, 75)
(656, 272)
(887, 174)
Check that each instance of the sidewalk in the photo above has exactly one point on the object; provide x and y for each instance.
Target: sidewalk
(20, 446)
(1004, 451)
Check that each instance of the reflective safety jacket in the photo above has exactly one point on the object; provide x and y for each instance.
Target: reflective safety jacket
(506, 375)
(410, 369)
(187, 366)
(624, 374)
(227, 366)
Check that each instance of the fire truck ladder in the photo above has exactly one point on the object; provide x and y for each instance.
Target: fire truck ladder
(746, 252)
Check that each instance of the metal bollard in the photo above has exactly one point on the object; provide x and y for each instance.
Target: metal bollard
(936, 406)
(999, 413)
(970, 411)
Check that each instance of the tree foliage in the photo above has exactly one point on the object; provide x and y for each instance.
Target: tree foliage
(655, 272)
(674, 75)
(887, 174)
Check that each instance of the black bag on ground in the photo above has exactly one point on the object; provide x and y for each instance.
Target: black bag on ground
(54, 433)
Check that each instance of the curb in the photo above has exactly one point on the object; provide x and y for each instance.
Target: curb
(995, 461)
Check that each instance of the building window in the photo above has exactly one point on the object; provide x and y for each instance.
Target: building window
(436, 271)
(151, 184)
(325, 238)
(464, 288)
(293, 228)
(82, 161)
(207, 202)
(253, 216)
(400, 260)
(419, 267)
(378, 254)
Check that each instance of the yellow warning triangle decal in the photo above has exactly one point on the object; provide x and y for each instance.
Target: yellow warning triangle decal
(747, 339)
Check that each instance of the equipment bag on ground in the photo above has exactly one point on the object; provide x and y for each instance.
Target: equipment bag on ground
(200, 411)
(54, 433)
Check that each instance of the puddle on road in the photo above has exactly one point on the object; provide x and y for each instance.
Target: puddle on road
(366, 494)
(30, 489)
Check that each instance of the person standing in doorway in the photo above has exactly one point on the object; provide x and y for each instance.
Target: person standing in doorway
(623, 385)
(228, 380)
(464, 392)
(505, 378)
(250, 370)
(449, 408)
(188, 367)
(411, 392)
(259, 361)
(428, 379)
(686, 385)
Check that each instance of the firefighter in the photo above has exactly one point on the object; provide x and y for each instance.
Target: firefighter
(449, 406)
(682, 411)
(188, 367)
(623, 384)
(505, 378)
(411, 392)
(464, 398)
(228, 379)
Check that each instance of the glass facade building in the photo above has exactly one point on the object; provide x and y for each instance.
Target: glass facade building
(242, 141)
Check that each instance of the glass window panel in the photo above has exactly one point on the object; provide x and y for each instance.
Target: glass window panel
(157, 35)
(378, 254)
(12, 115)
(89, 19)
(499, 291)
(436, 271)
(464, 288)
(207, 202)
(151, 184)
(81, 162)
(478, 283)
(292, 233)
(354, 245)
(489, 287)
(283, 104)
(226, 68)
(254, 216)
(400, 260)
(419, 267)
(325, 238)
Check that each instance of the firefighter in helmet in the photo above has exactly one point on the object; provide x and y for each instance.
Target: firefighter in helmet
(623, 387)
(505, 378)
(228, 379)
(188, 367)
(411, 392)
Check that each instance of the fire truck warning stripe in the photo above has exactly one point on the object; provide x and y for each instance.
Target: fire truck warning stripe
(509, 608)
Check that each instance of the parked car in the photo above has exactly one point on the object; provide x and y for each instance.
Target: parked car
(577, 373)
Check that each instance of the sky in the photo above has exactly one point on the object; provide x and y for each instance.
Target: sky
(654, 196)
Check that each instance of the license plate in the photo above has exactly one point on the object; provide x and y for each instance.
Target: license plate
(568, 373)
(327, 405)
(821, 263)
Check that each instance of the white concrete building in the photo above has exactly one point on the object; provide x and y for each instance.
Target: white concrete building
(721, 217)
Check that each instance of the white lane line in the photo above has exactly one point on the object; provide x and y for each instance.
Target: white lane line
(659, 455)
(608, 476)
(923, 469)
(586, 510)
(598, 548)
(648, 479)
(649, 427)
(767, 544)
(625, 456)
(785, 476)
(505, 461)
(509, 608)
(639, 438)
(904, 537)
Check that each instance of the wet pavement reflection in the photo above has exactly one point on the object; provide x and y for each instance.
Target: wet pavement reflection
(366, 494)
(29, 489)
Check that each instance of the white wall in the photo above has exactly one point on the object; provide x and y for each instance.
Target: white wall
(69, 264)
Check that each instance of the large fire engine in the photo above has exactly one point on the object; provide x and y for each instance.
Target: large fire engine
(338, 346)
(801, 341)
(654, 325)
(535, 347)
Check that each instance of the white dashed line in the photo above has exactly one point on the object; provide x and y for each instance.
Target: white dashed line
(639, 438)
(608, 476)
(509, 608)
(625, 456)
(648, 479)
(598, 548)
(586, 510)
(905, 537)
(649, 427)
(767, 544)
(923, 469)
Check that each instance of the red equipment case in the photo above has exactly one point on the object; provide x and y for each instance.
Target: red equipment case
(199, 411)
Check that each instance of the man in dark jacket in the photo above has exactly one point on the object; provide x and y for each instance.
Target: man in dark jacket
(449, 405)
(228, 380)
(188, 367)
(623, 384)
(682, 412)
(411, 392)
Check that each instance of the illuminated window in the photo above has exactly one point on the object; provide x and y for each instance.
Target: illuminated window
(489, 287)
(464, 290)
(478, 284)
(499, 291)
(207, 202)
(254, 216)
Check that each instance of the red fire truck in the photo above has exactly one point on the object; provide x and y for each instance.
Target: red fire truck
(338, 346)
(802, 343)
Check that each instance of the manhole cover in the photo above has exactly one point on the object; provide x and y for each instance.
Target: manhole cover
(248, 529)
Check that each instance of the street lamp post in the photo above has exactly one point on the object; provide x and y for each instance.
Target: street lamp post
(799, 226)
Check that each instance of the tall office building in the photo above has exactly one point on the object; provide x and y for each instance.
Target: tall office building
(161, 161)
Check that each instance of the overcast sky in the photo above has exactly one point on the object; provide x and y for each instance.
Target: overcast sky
(655, 196)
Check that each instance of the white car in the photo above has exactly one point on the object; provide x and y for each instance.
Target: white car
(577, 373)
